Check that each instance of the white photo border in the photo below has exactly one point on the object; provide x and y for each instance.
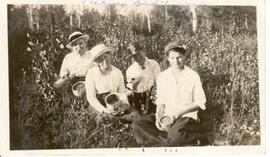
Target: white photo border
(4, 93)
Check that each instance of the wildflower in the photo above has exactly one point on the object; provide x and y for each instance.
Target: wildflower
(46, 63)
(29, 49)
(30, 43)
(61, 46)
(34, 68)
(250, 128)
(57, 40)
(42, 53)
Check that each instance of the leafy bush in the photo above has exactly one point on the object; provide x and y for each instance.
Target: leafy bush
(43, 117)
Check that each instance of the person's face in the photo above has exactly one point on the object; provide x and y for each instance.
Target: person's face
(139, 58)
(79, 46)
(104, 61)
(176, 59)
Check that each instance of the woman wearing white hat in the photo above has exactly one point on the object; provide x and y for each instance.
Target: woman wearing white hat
(103, 79)
(76, 63)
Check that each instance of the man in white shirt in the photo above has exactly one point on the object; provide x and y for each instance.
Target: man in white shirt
(179, 97)
(141, 77)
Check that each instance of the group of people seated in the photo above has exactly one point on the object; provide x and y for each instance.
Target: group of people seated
(170, 120)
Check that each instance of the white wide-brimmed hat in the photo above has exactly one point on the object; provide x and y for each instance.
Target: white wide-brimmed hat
(75, 36)
(100, 49)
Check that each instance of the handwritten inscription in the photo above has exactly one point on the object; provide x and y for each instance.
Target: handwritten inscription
(125, 3)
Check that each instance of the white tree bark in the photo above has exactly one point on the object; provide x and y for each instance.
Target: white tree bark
(194, 17)
(33, 16)
(166, 13)
(70, 20)
(70, 17)
(148, 21)
(30, 17)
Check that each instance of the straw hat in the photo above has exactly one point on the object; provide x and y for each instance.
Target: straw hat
(100, 49)
(75, 36)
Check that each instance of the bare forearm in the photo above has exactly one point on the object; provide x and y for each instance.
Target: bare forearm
(159, 114)
(160, 110)
(187, 109)
(96, 104)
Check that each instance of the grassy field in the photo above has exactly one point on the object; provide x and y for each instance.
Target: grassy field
(45, 118)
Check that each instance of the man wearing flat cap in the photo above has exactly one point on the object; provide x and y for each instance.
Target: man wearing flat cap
(179, 97)
(141, 77)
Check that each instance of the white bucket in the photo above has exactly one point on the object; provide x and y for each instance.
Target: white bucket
(78, 88)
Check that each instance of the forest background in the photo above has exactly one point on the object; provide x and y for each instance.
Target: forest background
(222, 46)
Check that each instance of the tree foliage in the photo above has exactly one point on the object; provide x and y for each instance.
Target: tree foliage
(223, 50)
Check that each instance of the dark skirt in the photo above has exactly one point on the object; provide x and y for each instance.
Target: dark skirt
(101, 98)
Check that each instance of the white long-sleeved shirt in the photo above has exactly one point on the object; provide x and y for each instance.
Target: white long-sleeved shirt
(76, 65)
(176, 91)
(98, 83)
(146, 77)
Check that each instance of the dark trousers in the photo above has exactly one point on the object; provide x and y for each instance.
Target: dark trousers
(142, 103)
(145, 131)
(183, 132)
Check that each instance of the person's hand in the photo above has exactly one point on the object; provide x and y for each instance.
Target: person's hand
(109, 110)
(71, 76)
(129, 92)
(135, 84)
(61, 82)
(157, 122)
(158, 125)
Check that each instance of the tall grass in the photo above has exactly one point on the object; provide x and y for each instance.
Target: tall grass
(47, 118)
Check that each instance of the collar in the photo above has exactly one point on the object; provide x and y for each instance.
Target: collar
(145, 63)
(87, 54)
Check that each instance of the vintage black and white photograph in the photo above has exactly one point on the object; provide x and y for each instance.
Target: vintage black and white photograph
(132, 76)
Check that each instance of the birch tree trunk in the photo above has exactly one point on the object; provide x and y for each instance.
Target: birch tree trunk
(79, 20)
(30, 17)
(71, 17)
(33, 17)
(194, 17)
(148, 21)
(166, 13)
(70, 20)
(51, 25)
(246, 21)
